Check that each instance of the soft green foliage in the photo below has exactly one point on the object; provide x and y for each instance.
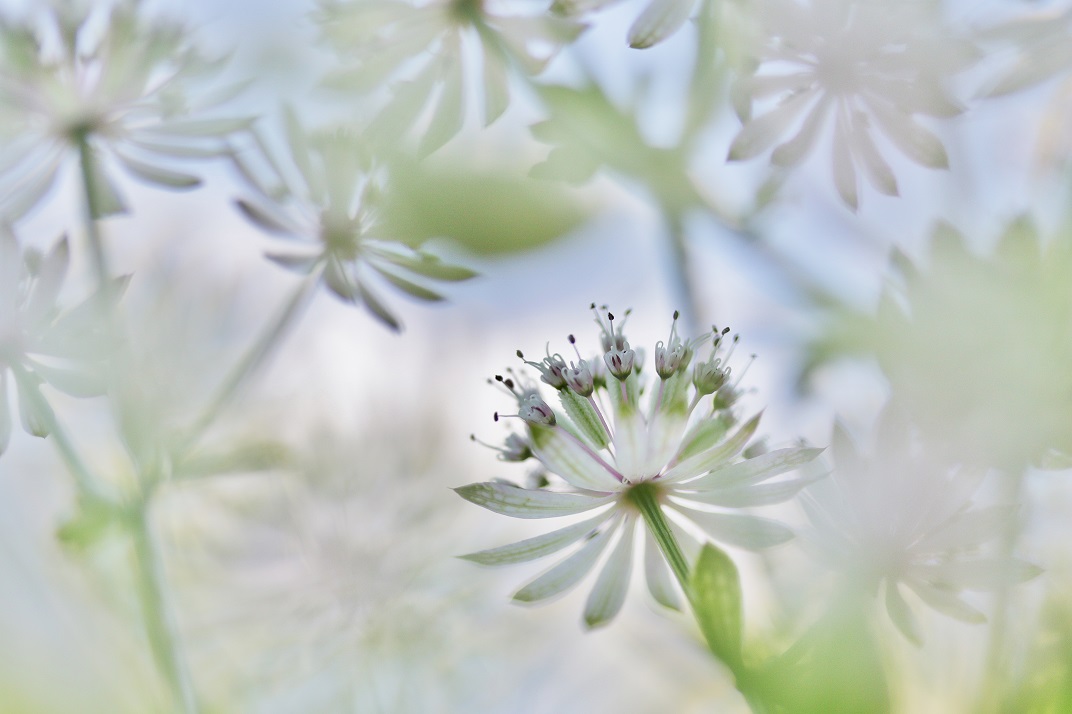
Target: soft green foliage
(490, 211)
(715, 594)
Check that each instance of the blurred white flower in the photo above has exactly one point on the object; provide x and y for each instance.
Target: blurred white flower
(893, 518)
(121, 89)
(330, 206)
(1040, 44)
(866, 67)
(976, 349)
(670, 455)
(38, 343)
(419, 46)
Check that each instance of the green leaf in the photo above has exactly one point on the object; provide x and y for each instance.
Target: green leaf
(488, 211)
(715, 593)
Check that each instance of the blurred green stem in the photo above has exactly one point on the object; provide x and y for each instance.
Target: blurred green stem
(681, 276)
(156, 612)
(1012, 488)
(257, 354)
(92, 211)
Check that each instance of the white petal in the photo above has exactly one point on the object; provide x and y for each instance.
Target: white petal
(510, 500)
(844, 169)
(746, 496)
(743, 531)
(450, 111)
(155, 174)
(901, 614)
(496, 88)
(567, 573)
(754, 470)
(916, 142)
(792, 152)
(630, 440)
(538, 547)
(564, 454)
(945, 602)
(982, 574)
(5, 413)
(660, 19)
(657, 574)
(607, 596)
(712, 458)
(967, 530)
(759, 134)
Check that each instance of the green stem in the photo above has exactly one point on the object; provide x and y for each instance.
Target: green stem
(997, 655)
(646, 498)
(258, 352)
(92, 212)
(156, 613)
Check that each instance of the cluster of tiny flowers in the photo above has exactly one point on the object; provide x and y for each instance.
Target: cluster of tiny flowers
(620, 439)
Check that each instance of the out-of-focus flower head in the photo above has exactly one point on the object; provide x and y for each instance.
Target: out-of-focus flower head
(328, 203)
(659, 20)
(976, 349)
(864, 67)
(40, 344)
(105, 76)
(894, 519)
(1041, 46)
(419, 48)
(620, 440)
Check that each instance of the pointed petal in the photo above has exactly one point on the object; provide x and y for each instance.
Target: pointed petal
(712, 458)
(878, 172)
(659, 20)
(496, 88)
(538, 547)
(568, 573)
(157, 175)
(755, 495)
(844, 169)
(981, 574)
(743, 531)
(657, 574)
(608, 595)
(450, 111)
(564, 454)
(754, 470)
(901, 614)
(5, 413)
(946, 602)
(760, 133)
(517, 502)
(916, 142)
(967, 530)
(266, 219)
(792, 152)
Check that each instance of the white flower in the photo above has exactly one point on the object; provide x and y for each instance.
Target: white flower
(658, 20)
(858, 65)
(38, 344)
(329, 203)
(66, 82)
(675, 451)
(893, 519)
(378, 40)
(1041, 43)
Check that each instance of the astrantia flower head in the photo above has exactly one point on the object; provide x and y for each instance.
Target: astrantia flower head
(858, 65)
(378, 40)
(328, 202)
(895, 520)
(637, 448)
(38, 344)
(118, 87)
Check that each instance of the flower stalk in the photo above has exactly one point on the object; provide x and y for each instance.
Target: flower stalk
(157, 614)
(645, 496)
